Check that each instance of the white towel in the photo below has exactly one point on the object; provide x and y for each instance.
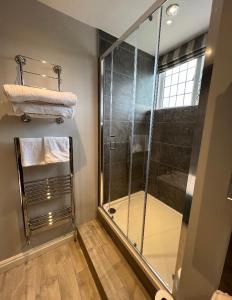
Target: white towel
(32, 151)
(218, 295)
(43, 110)
(56, 149)
(20, 93)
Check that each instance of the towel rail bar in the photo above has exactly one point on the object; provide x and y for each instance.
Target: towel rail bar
(37, 192)
(21, 60)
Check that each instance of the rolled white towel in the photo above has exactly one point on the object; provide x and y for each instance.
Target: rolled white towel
(21, 94)
(32, 151)
(56, 149)
(218, 295)
(44, 110)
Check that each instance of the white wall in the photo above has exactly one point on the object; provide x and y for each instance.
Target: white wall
(29, 28)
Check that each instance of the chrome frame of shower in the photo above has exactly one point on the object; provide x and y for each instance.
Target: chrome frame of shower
(206, 77)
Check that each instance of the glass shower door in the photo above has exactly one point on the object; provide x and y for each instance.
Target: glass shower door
(147, 39)
(118, 130)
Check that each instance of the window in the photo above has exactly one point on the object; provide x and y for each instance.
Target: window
(180, 85)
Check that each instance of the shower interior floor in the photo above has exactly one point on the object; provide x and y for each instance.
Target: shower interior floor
(161, 234)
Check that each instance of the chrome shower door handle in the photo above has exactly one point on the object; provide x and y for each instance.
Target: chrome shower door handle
(112, 143)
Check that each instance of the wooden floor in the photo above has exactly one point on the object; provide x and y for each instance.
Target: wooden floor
(116, 276)
(61, 274)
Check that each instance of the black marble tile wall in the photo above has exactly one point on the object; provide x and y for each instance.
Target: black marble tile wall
(119, 114)
(170, 154)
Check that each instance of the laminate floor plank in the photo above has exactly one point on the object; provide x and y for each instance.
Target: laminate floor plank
(59, 274)
(116, 276)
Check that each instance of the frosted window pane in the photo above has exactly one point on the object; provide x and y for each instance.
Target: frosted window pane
(189, 87)
(165, 102)
(192, 63)
(187, 99)
(173, 90)
(168, 81)
(180, 100)
(172, 102)
(166, 92)
(168, 72)
(190, 74)
(175, 78)
(181, 88)
(183, 66)
(176, 70)
(182, 76)
(177, 85)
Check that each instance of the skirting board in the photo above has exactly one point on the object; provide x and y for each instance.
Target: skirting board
(23, 257)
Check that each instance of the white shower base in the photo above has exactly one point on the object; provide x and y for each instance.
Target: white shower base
(161, 235)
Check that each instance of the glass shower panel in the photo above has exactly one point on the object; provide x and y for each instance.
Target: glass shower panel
(147, 38)
(172, 137)
(121, 110)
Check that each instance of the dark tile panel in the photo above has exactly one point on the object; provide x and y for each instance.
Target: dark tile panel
(124, 62)
(119, 180)
(144, 82)
(175, 179)
(103, 46)
(147, 56)
(120, 129)
(106, 36)
(171, 155)
(171, 196)
(106, 94)
(179, 114)
(137, 185)
(120, 154)
(137, 168)
(174, 133)
(122, 97)
(140, 127)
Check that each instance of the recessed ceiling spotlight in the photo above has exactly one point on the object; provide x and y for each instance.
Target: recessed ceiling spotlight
(169, 22)
(172, 10)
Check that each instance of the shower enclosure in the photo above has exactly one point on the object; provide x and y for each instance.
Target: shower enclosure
(149, 102)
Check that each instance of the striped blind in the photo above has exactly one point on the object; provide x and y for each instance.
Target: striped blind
(185, 52)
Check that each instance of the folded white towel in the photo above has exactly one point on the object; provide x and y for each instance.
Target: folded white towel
(218, 295)
(20, 93)
(56, 149)
(32, 151)
(44, 110)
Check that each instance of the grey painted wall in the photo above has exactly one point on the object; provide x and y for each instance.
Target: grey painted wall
(32, 29)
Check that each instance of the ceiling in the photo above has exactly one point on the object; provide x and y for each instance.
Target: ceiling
(116, 16)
